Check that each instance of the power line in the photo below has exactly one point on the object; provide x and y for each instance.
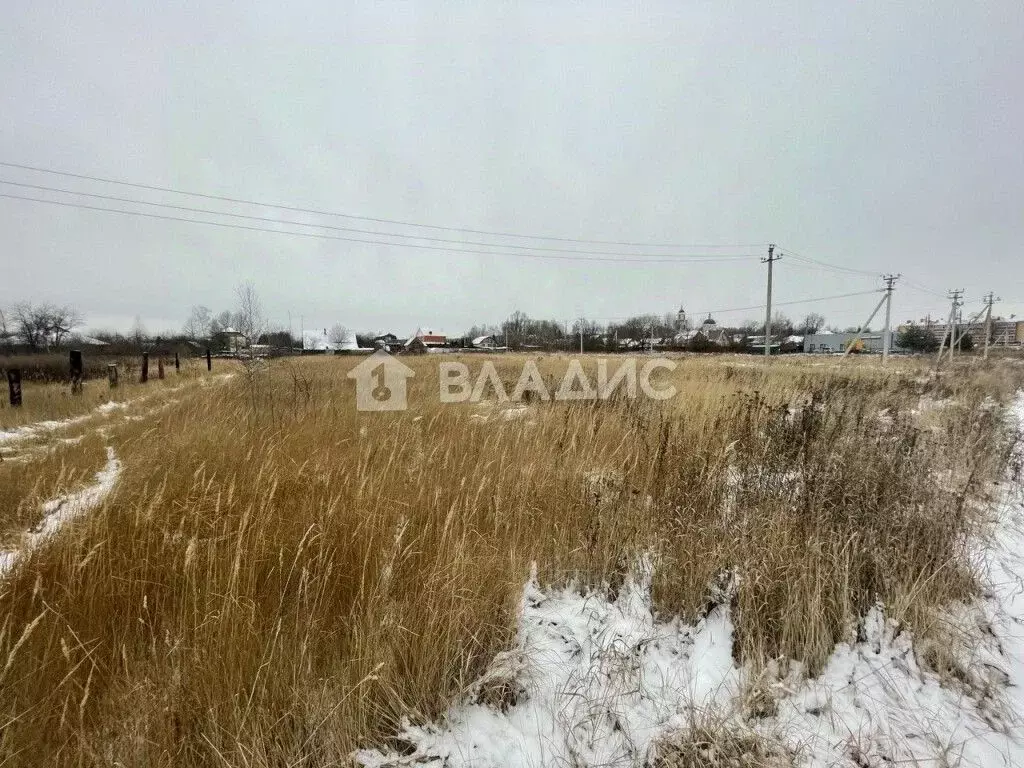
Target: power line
(826, 265)
(396, 222)
(321, 236)
(796, 262)
(789, 303)
(923, 289)
(269, 220)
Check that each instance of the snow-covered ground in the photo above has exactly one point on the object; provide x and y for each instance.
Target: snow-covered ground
(595, 681)
(60, 510)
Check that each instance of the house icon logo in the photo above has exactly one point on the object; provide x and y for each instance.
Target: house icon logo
(380, 383)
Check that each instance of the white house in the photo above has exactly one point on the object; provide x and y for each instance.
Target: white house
(324, 340)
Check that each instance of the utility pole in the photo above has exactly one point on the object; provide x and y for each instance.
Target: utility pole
(890, 280)
(954, 296)
(989, 301)
(856, 338)
(772, 258)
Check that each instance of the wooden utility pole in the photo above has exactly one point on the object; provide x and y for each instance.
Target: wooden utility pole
(890, 280)
(867, 324)
(950, 332)
(772, 258)
(989, 301)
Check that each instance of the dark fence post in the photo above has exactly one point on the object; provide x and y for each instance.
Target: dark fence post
(14, 386)
(76, 371)
(209, 361)
(177, 363)
(145, 367)
(112, 375)
(160, 368)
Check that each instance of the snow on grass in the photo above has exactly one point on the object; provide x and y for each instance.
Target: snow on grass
(64, 508)
(592, 681)
(599, 681)
(40, 428)
(112, 406)
(874, 704)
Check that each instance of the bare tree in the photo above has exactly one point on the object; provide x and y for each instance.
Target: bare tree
(62, 321)
(221, 322)
(781, 325)
(338, 334)
(33, 323)
(813, 323)
(198, 324)
(138, 331)
(249, 319)
(587, 327)
(751, 327)
(6, 333)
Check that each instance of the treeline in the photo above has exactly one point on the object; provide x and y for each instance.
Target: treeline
(521, 331)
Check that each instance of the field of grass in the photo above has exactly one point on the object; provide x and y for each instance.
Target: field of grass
(50, 398)
(277, 579)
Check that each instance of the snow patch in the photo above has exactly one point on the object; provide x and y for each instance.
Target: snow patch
(590, 682)
(62, 509)
(113, 405)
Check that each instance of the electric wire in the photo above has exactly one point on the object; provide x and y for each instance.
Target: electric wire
(395, 222)
(322, 236)
(333, 228)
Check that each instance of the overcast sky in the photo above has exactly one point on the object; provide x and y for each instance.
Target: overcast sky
(885, 137)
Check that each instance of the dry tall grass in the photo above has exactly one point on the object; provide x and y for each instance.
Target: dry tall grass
(52, 398)
(278, 579)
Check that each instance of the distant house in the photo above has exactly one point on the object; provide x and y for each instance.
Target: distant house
(485, 342)
(233, 339)
(756, 344)
(389, 342)
(428, 338)
(321, 341)
(838, 342)
(80, 339)
(708, 334)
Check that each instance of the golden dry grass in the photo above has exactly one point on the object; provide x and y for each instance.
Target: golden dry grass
(278, 579)
(53, 400)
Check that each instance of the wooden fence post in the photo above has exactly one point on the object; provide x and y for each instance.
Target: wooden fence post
(209, 361)
(145, 367)
(177, 363)
(76, 371)
(14, 386)
(160, 368)
(112, 375)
